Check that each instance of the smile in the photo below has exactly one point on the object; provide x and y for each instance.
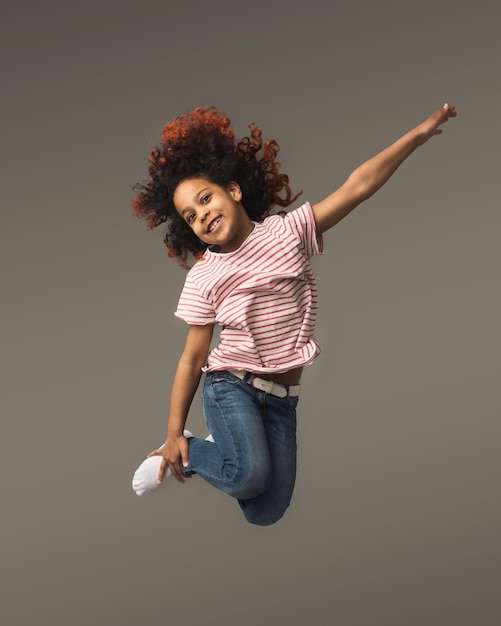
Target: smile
(214, 224)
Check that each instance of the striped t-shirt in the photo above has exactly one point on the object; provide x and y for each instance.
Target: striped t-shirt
(263, 295)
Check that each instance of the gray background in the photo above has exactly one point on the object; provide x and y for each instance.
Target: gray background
(396, 515)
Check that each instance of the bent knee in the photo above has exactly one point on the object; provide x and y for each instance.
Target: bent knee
(250, 483)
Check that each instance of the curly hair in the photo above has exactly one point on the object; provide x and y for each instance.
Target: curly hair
(202, 143)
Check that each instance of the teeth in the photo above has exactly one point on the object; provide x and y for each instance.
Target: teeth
(214, 224)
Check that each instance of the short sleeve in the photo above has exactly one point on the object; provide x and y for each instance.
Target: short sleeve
(193, 307)
(301, 222)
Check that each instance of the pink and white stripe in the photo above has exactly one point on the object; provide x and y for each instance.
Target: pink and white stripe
(263, 295)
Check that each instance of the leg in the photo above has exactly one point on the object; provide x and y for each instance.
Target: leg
(239, 461)
(280, 424)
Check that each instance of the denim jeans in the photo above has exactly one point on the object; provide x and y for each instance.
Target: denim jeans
(253, 458)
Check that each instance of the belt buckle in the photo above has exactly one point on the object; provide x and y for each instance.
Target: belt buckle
(262, 384)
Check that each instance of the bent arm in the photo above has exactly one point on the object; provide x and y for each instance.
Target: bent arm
(364, 181)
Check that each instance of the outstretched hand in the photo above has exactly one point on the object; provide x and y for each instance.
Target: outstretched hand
(430, 126)
(366, 179)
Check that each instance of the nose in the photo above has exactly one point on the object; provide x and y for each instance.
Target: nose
(204, 215)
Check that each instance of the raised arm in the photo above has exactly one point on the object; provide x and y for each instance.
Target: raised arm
(364, 181)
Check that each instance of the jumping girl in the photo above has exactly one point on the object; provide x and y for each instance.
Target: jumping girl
(250, 275)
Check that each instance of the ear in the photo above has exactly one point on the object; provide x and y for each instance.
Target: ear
(235, 191)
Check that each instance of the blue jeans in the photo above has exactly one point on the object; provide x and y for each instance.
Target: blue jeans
(253, 458)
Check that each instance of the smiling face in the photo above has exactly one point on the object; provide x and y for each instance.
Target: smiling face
(214, 213)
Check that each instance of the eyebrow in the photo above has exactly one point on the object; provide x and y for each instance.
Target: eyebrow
(195, 197)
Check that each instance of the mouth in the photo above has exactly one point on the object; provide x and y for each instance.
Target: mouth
(214, 224)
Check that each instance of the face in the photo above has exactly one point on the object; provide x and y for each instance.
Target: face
(214, 213)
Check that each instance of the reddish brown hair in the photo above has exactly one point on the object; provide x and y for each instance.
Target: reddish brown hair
(202, 143)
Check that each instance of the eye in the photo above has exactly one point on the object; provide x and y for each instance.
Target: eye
(205, 199)
(190, 218)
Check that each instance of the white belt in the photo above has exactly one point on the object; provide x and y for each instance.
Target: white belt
(268, 386)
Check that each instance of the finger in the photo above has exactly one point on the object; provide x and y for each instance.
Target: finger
(182, 476)
(449, 110)
(161, 473)
(176, 472)
(185, 461)
(175, 469)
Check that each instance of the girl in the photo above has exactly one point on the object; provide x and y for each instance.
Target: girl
(251, 276)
